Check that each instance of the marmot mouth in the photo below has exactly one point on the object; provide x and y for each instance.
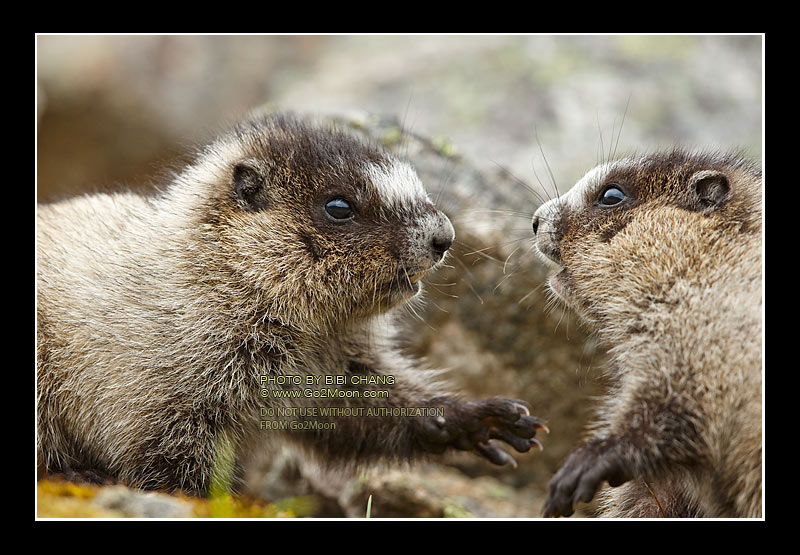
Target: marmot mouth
(556, 282)
(550, 257)
(558, 273)
(407, 280)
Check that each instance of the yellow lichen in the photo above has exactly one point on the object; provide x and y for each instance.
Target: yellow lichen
(66, 489)
(55, 499)
(60, 499)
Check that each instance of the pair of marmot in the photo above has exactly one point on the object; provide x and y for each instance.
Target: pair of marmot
(281, 251)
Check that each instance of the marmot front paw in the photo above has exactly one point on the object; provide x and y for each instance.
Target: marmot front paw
(471, 425)
(582, 474)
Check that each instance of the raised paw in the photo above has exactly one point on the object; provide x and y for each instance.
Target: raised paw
(473, 425)
(582, 474)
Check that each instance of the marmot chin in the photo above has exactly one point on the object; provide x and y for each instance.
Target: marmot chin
(282, 250)
(661, 255)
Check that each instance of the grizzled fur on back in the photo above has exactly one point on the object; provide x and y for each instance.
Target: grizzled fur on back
(157, 316)
(661, 255)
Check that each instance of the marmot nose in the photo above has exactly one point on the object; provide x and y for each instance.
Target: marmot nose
(440, 246)
(442, 239)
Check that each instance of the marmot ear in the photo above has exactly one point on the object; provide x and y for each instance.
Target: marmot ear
(248, 185)
(709, 188)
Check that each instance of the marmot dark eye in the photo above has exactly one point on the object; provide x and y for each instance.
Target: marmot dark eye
(612, 196)
(339, 209)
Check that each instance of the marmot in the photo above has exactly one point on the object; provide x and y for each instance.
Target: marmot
(661, 255)
(282, 252)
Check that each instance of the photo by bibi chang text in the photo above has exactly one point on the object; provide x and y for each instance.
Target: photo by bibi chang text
(317, 386)
(336, 379)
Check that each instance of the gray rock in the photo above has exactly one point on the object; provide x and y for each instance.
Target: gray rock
(139, 504)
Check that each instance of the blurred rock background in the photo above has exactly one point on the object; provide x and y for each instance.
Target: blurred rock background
(485, 118)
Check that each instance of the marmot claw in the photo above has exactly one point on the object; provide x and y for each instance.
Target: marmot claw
(470, 426)
(581, 475)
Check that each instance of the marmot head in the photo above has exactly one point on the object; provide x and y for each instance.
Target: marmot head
(319, 225)
(629, 231)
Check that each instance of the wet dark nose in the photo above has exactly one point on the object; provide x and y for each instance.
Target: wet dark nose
(440, 244)
(442, 238)
(535, 224)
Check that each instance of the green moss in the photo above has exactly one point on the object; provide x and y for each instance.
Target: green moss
(301, 505)
(228, 506)
(453, 509)
(222, 472)
(393, 136)
(444, 146)
(222, 504)
(642, 48)
(509, 58)
(497, 490)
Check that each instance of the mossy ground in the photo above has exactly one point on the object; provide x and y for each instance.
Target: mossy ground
(61, 499)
